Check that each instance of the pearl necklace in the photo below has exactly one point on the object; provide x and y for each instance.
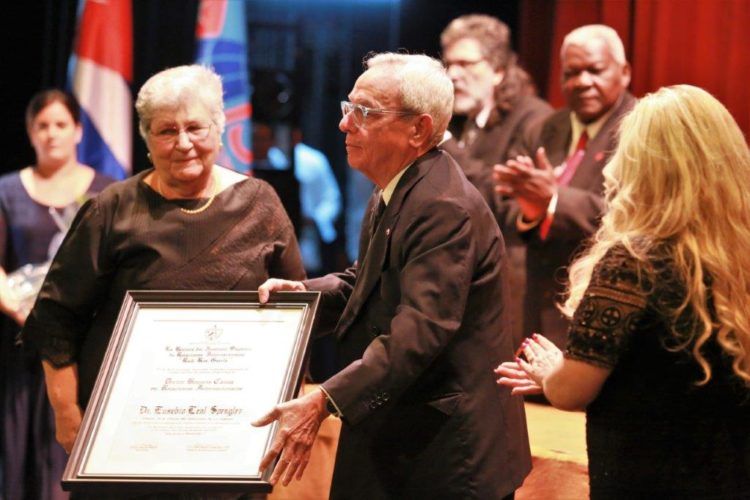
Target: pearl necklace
(192, 211)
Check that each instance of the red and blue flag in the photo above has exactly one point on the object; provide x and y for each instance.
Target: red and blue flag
(100, 72)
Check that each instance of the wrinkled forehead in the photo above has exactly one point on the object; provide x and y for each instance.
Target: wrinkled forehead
(376, 87)
(185, 107)
(589, 52)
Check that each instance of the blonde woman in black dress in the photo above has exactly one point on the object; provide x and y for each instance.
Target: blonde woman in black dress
(658, 350)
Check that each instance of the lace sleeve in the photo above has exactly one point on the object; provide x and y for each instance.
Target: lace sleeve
(611, 310)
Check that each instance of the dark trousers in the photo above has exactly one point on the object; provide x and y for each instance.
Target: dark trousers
(32, 461)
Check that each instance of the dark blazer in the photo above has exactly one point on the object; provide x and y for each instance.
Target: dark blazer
(504, 136)
(420, 328)
(579, 209)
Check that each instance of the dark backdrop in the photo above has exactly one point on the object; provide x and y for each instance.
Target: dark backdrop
(332, 37)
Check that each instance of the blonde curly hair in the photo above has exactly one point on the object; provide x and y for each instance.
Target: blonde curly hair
(680, 177)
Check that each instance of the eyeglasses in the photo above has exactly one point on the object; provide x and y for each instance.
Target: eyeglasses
(359, 113)
(169, 135)
(462, 63)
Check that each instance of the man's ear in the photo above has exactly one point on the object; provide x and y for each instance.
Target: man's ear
(421, 131)
(625, 76)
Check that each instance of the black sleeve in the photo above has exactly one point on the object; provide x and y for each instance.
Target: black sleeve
(611, 311)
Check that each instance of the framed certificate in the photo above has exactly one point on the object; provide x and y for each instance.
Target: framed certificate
(184, 375)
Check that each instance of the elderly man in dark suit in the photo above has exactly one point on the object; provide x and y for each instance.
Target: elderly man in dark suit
(418, 319)
(559, 207)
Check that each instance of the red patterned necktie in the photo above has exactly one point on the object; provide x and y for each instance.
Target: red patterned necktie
(571, 164)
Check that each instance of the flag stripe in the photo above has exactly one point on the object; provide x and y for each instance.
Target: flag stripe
(99, 71)
(106, 98)
(107, 24)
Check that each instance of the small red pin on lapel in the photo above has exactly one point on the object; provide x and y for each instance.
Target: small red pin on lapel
(599, 156)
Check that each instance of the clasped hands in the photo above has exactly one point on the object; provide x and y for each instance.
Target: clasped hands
(532, 185)
(527, 376)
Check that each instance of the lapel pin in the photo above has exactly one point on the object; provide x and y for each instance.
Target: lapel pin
(388, 231)
(599, 156)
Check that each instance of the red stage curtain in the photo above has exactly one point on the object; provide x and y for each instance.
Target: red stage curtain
(700, 42)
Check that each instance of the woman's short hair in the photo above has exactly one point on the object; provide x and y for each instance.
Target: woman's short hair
(424, 86)
(174, 86)
(44, 98)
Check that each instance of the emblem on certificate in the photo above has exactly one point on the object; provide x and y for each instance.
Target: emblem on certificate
(184, 375)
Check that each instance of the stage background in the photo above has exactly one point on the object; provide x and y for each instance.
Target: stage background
(311, 51)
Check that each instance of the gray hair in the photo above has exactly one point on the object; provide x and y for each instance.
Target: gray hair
(492, 35)
(423, 86)
(583, 35)
(174, 86)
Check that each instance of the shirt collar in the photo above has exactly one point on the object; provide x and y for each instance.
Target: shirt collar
(391, 186)
(593, 128)
(483, 116)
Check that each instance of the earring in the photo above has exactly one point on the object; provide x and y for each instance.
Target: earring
(148, 155)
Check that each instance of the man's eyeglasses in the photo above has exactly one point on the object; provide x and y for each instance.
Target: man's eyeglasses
(359, 113)
(462, 63)
(169, 135)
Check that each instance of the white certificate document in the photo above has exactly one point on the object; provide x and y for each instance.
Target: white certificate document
(186, 389)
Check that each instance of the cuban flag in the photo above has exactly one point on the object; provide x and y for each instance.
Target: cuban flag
(222, 44)
(99, 73)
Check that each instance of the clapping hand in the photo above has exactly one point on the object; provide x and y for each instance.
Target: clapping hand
(532, 185)
(527, 376)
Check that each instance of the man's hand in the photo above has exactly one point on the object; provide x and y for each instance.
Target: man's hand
(532, 185)
(67, 423)
(299, 421)
(277, 285)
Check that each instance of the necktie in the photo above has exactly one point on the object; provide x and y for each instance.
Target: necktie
(571, 164)
(377, 214)
(564, 174)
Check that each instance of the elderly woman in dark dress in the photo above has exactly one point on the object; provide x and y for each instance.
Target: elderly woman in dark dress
(185, 224)
(659, 346)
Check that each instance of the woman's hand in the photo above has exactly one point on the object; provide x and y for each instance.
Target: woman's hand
(62, 389)
(542, 358)
(10, 304)
(513, 376)
(527, 377)
(67, 423)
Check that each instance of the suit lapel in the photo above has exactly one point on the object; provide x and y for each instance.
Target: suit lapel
(557, 140)
(371, 265)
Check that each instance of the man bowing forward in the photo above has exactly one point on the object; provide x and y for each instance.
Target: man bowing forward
(418, 318)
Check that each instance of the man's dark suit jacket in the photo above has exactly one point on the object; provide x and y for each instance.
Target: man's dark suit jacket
(505, 135)
(420, 326)
(577, 216)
